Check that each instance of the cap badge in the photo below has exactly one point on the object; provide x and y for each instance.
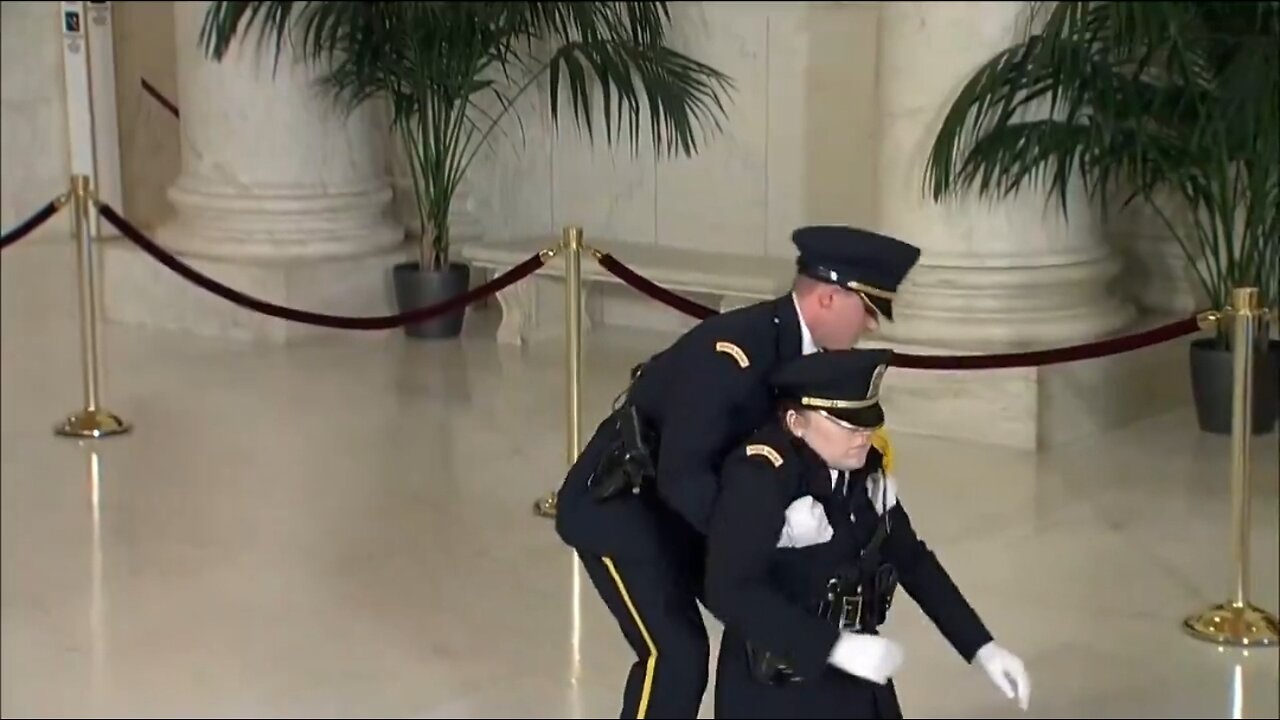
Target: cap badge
(873, 390)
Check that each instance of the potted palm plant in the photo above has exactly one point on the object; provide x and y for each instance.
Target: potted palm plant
(1143, 102)
(451, 71)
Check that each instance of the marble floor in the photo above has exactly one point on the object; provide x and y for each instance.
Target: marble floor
(342, 529)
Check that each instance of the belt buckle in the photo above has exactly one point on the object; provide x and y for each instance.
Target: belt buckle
(851, 612)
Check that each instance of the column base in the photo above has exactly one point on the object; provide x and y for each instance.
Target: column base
(1034, 408)
(139, 291)
(278, 226)
(1010, 305)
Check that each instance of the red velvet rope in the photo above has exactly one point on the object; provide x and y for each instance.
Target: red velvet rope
(654, 290)
(382, 322)
(1035, 358)
(1072, 353)
(37, 219)
(165, 102)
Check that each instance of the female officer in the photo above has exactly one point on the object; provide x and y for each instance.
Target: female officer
(806, 547)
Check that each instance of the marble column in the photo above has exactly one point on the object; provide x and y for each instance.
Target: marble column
(280, 195)
(992, 276)
(1003, 276)
(1158, 274)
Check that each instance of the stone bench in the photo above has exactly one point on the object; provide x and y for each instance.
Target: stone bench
(536, 305)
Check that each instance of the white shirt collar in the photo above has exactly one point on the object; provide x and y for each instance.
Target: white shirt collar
(807, 345)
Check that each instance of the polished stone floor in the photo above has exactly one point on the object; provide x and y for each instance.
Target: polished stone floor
(343, 529)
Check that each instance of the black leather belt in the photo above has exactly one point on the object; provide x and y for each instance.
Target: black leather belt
(851, 611)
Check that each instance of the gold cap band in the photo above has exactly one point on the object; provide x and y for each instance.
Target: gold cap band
(816, 402)
(872, 291)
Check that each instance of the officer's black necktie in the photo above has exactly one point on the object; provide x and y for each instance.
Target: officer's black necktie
(846, 496)
(842, 486)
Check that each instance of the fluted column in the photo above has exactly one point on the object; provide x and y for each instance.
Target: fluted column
(1009, 275)
(270, 170)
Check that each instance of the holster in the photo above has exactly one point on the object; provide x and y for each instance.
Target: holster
(630, 463)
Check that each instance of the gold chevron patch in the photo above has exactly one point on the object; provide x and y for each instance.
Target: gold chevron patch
(734, 351)
(767, 452)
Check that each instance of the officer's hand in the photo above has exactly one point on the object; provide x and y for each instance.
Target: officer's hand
(1007, 672)
(870, 657)
(806, 525)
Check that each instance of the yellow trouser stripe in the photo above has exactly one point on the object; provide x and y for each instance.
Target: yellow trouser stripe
(644, 632)
(880, 440)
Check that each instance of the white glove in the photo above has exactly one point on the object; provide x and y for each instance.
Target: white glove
(883, 491)
(806, 525)
(870, 657)
(1007, 672)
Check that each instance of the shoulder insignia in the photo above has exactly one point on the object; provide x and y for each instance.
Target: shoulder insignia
(767, 452)
(880, 441)
(734, 351)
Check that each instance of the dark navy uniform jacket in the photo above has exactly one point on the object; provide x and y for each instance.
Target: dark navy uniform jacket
(704, 394)
(768, 595)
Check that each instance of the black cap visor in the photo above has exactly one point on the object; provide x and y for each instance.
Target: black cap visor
(863, 418)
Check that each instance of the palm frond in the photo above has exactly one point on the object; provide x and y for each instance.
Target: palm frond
(1150, 96)
(682, 97)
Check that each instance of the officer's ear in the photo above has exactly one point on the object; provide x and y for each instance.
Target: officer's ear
(827, 295)
(795, 422)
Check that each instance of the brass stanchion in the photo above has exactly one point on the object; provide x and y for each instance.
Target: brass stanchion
(571, 244)
(92, 421)
(1238, 622)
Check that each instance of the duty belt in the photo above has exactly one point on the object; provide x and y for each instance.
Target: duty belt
(851, 609)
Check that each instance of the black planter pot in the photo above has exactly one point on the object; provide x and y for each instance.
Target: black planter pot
(417, 289)
(1211, 386)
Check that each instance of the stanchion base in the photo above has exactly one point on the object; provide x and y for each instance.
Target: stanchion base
(545, 506)
(1230, 624)
(94, 424)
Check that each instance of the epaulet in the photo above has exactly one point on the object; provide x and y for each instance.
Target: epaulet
(732, 350)
(765, 451)
(880, 441)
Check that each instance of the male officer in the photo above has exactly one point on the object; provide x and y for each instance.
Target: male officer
(637, 502)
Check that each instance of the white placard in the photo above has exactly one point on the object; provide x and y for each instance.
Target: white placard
(106, 119)
(88, 54)
(75, 63)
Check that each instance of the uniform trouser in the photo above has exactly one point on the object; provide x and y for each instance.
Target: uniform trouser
(656, 606)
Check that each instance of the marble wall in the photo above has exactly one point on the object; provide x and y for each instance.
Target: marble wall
(799, 144)
(34, 156)
(150, 151)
